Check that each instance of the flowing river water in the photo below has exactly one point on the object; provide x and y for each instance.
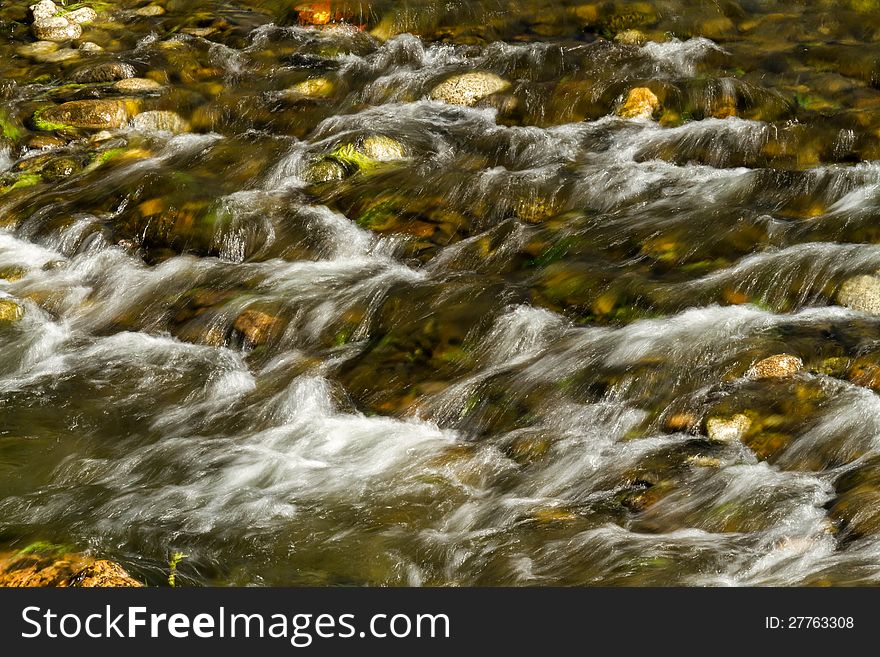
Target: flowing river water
(326, 326)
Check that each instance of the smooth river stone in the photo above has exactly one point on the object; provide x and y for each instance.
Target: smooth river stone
(159, 121)
(90, 114)
(56, 28)
(469, 88)
(104, 72)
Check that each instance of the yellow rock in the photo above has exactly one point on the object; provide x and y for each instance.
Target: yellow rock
(550, 515)
(312, 88)
(704, 461)
(641, 103)
(775, 367)
(605, 303)
(10, 311)
(152, 207)
(630, 37)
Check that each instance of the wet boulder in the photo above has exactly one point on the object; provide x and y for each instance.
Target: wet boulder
(88, 114)
(325, 170)
(856, 508)
(82, 16)
(104, 72)
(311, 89)
(43, 10)
(640, 103)
(10, 311)
(136, 85)
(150, 11)
(382, 148)
(774, 367)
(257, 327)
(60, 168)
(469, 88)
(160, 121)
(32, 569)
(56, 28)
(728, 429)
(362, 156)
(861, 293)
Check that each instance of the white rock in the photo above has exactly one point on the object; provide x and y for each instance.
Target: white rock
(56, 28)
(43, 10)
(136, 85)
(861, 293)
(383, 149)
(82, 16)
(469, 88)
(728, 429)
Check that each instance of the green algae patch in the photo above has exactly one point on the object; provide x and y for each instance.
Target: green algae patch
(49, 126)
(9, 127)
(22, 182)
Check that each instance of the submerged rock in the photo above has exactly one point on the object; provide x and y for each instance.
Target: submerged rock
(856, 508)
(104, 72)
(89, 114)
(37, 49)
(728, 429)
(150, 11)
(348, 159)
(136, 85)
(10, 311)
(160, 121)
(861, 293)
(82, 16)
(90, 46)
(680, 423)
(314, 13)
(382, 148)
(28, 569)
(630, 37)
(59, 168)
(256, 326)
(313, 88)
(325, 170)
(45, 142)
(774, 367)
(469, 88)
(640, 103)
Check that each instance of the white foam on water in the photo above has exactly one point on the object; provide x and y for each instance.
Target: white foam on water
(6, 160)
(680, 57)
(311, 454)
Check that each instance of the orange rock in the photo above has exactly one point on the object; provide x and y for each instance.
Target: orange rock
(256, 326)
(734, 297)
(680, 422)
(69, 570)
(314, 13)
(152, 207)
(640, 103)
